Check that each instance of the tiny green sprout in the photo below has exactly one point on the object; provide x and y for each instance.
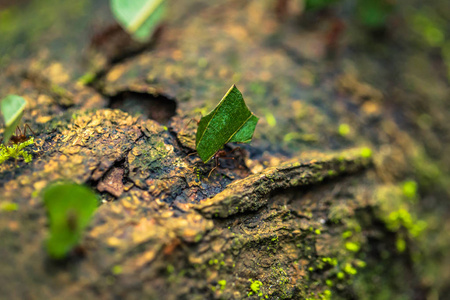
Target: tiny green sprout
(140, 18)
(69, 208)
(11, 108)
(230, 121)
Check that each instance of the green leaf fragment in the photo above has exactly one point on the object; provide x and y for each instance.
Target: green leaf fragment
(12, 110)
(69, 207)
(139, 17)
(230, 121)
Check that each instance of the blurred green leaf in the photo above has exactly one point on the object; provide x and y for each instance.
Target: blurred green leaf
(230, 121)
(317, 4)
(69, 207)
(12, 110)
(374, 13)
(139, 17)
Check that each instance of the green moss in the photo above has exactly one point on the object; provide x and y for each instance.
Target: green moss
(325, 295)
(117, 270)
(360, 263)
(331, 261)
(352, 246)
(349, 269)
(222, 284)
(410, 189)
(366, 152)
(271, 119)
(16, 151)
(170, 269)
(347, 234)
(431, 31)
(9, 206)
(344, 129)
(87, 78)
(396, 212)
(255, 286)
(400, 245)
(198, 238)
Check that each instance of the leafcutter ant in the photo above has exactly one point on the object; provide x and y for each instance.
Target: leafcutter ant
(20, 136)
(223, 154)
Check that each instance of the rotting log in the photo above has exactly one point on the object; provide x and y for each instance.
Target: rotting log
(281, 226)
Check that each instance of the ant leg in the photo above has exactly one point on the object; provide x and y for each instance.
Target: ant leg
(193, 119)
(210, 172)
(215, 167)
(236, 148)
(25, 129)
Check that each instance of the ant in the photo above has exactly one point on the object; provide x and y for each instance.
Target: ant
(220, 154)
(223, 154)
(20, 136)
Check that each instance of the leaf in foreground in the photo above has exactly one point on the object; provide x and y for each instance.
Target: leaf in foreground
(139, 17)
(230, 121)
(69, 208)
(12, 110)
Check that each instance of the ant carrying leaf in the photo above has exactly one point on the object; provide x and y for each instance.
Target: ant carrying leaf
(140, 18)
(223, 154)
(12, 110)
(230, 121)
(20, 136)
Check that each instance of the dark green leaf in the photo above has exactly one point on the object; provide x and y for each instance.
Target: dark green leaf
(12, 110)
(374, 13)
(230, 121)
(69, 207)
(318, 4)
(139, 17)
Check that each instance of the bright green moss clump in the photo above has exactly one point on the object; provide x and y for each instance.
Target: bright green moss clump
(255, 287)
(15, 151)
